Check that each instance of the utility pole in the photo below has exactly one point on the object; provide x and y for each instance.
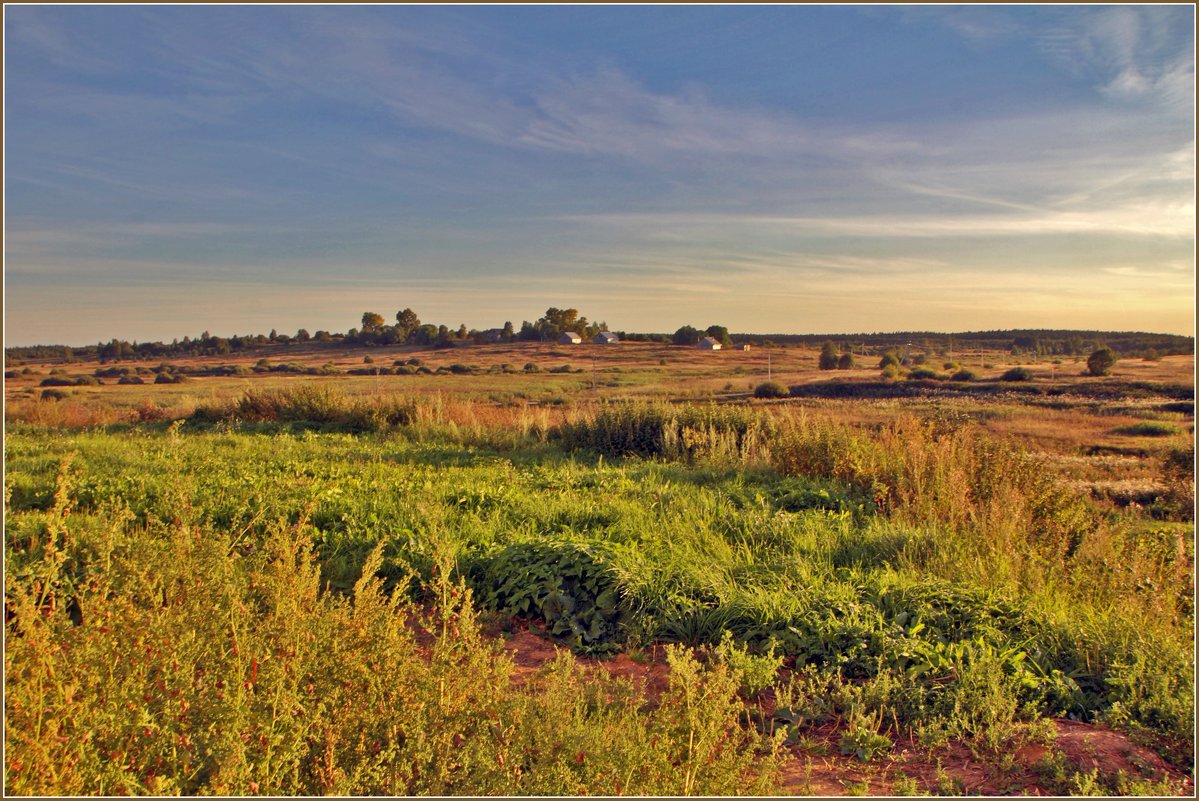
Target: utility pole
(593, 372)
(768, 371)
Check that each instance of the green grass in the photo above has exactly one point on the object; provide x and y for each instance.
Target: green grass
(1149, 428)
(919, 570)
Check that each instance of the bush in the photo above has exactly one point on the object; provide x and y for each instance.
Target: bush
(53, 394)
(963, 375)
(846, 362)
(1101, 362)
(923, 374)
(891, 371)
(828, 357)
(130, 379)
(57, 381)
(1016, 374)
(771, 389)
(532, 368)
(889, 360)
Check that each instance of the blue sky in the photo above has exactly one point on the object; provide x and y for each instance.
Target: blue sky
(171, 169)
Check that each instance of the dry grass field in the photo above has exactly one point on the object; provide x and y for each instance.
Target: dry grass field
(1087, 426)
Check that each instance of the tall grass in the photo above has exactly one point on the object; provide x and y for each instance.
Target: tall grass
(174, 658)
(727, 434)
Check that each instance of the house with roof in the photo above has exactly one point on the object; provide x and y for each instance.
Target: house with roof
(605, 338)
(708, 343)
(569, 338)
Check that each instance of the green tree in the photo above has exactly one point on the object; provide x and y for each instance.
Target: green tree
(687, 335)
(828, 357)
(509, 331)
(558, 320)
(1101, 361)
(406, 323)
(371, 322)
(845, 362)
(720, 334)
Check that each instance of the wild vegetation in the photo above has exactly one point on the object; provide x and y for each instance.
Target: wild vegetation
(297, 587)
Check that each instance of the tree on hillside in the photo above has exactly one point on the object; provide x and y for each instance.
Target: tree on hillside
(371, 322)
(687, 335)
(828, 357)
(1101, 361)
(846, 361)
(509, 332)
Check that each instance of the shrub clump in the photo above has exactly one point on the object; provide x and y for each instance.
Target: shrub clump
(771, 389)
(963, 375)
(1101, 362)
(1016, 374)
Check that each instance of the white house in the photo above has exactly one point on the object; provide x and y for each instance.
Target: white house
(708, 343)
(742, 346)
(569, 338)
(605, 338)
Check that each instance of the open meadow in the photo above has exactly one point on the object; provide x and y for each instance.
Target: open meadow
(528, 569)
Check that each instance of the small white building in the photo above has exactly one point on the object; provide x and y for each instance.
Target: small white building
(605, 338)
(569, 338)
(708, 343)
(742, 346)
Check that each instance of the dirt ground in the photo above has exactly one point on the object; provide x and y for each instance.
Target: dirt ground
(953, 769)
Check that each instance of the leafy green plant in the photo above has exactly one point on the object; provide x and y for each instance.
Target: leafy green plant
(862, 738)
(561, 583)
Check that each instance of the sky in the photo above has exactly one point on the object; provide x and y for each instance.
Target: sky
(772, 169)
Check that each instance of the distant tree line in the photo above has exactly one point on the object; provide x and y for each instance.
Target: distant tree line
(409, 329)
(1017, 342)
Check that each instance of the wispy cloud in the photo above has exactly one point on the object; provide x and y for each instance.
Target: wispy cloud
(1132, 53)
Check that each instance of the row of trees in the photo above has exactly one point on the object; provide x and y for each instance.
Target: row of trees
(409, 330)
